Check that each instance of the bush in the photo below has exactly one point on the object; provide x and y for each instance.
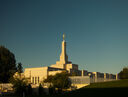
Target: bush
(60, 81)
(21, 86)
(124, 73)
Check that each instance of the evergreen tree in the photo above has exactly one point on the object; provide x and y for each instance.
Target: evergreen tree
(124, 73)
(7, 64)
(19, 68)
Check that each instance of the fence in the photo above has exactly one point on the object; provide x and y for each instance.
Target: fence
(95, 80)
(79, 81)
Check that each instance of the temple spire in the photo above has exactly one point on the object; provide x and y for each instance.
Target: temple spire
(63, 37)
(63, 56)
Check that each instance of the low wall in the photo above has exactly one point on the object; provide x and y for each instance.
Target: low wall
(6, 86)
(79, 81)
(95, 80)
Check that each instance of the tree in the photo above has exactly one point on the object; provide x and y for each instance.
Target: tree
(19, 68)
(74, 74)
(49, 79)
(60, 80)
(7, 64)
(124, 73)
(20, 85)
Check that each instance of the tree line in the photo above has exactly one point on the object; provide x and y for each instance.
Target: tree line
(124, 73)
(8, 65)
(8, 68)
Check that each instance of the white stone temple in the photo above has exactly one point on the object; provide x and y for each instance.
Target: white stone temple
(38, 74)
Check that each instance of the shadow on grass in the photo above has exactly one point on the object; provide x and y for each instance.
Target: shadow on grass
(94, 92)
(90, 92)
(100, 92)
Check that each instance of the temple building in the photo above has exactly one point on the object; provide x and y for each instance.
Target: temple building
(38, 74)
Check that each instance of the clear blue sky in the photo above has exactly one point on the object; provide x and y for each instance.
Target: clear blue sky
(96, 32)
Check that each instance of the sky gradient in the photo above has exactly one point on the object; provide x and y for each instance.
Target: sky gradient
(96, 32)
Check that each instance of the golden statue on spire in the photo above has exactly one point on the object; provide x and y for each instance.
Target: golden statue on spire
(63, 36)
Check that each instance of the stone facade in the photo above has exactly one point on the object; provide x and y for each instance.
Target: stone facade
(37, 75)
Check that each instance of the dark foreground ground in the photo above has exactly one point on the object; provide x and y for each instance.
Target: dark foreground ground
(106, 89)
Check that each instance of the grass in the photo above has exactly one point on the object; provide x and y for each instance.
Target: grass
(111, 84)
(104, 89)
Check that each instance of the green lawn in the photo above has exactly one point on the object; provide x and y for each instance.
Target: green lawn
(111, 84)
(105, 89)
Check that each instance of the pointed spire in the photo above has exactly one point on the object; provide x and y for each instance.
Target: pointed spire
(63, 36)
(63, 56)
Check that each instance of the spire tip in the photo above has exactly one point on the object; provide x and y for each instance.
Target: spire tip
(63, 36)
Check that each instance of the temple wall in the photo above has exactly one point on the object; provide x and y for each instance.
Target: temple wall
(54, 72)
(36, 75)
(61, 66)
